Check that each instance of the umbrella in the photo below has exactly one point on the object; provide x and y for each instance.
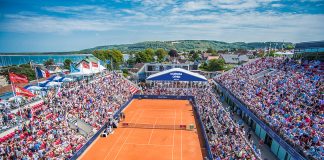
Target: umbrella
(57, 78)
(53, 84)
(67, 80)
(44, 83)
(34, 88)
(52, 78)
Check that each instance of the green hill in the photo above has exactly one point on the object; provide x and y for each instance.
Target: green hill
(180, 45)
(187, 45)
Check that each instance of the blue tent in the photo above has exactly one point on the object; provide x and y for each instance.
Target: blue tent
(51, 78)
(176, 74)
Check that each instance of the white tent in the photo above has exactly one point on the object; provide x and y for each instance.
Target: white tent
(98, 69)
(67, 79)
(176, 74)
(53, 84)
(57, 78)
(284, 53)
(87, 71)
(34, 88)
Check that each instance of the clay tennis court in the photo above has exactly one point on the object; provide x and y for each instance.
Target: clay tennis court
(147, 143)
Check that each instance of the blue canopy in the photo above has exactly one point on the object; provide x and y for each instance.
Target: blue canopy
(51, 78)
(176, 74)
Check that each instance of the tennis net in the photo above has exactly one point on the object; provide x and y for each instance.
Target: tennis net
(157, 126)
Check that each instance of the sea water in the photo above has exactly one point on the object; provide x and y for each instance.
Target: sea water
(7, 60)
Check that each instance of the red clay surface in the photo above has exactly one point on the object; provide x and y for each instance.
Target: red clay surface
(151, 144)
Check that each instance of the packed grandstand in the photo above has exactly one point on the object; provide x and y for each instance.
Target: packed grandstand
(285, 94)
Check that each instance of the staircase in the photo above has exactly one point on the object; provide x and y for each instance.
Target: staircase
(84, 128)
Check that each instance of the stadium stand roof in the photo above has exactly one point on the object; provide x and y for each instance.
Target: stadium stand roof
(176, 74)
(313, 44)
(310, 50)
(234, 58)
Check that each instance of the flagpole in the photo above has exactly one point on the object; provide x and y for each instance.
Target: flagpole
(99, 66)
(36, 76)
(111, 64)
(11, 83)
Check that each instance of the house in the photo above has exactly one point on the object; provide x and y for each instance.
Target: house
(205, 56)
(54, 69)
(234, 58)
(90, 65)
(212, 57)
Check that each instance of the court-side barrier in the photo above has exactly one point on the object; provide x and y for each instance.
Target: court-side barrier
(95, 136)
(295, 155)
(190, 98)
(163, 97)
(208, 150)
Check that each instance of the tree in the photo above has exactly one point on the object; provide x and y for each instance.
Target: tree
(210, 50)
(194, 56)
(150, 54)
(173, 53)
(272, 53)
(161, 54)
(141, 57)
(49, 62)
(114, 55)
(290, 46)
(214, 54)
(215, 65)
(204, 66)
(23, 69)
(67, 63)
(131, 60)
(192, 52)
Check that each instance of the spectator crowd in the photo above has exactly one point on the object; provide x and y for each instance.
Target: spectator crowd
(47, 133)
(287, 95)
(225, 137)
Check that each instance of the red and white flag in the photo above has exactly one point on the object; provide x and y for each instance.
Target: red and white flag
(85, 65)
(16, 78)
(22, 92)
(94, 64)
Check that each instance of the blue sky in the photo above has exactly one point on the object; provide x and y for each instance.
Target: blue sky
(66, 25)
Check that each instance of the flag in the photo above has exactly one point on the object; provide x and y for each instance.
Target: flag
(22, 92)
(108, 61)
(94, 64)
(73, 69)
(16, 78)
(41, 73)
(85, 65)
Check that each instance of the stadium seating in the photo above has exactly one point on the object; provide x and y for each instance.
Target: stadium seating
(290, 100)
(46, 134)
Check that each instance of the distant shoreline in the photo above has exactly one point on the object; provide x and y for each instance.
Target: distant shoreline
(45, 54)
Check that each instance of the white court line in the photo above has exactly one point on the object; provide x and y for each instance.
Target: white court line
(152, 131)
(157, 109)
(159, 145)
(175, 111)
(160, 117)
(128, 136)
(181, 137)
(121, 135)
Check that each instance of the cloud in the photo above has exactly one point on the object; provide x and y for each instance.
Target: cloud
(240, 4)
(207, 19)
(155, 5)
(41, 23)
(276, 5)
(134, 14)
(196, 5)
(83, 10)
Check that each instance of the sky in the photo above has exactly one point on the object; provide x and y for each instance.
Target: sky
(69, 25)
